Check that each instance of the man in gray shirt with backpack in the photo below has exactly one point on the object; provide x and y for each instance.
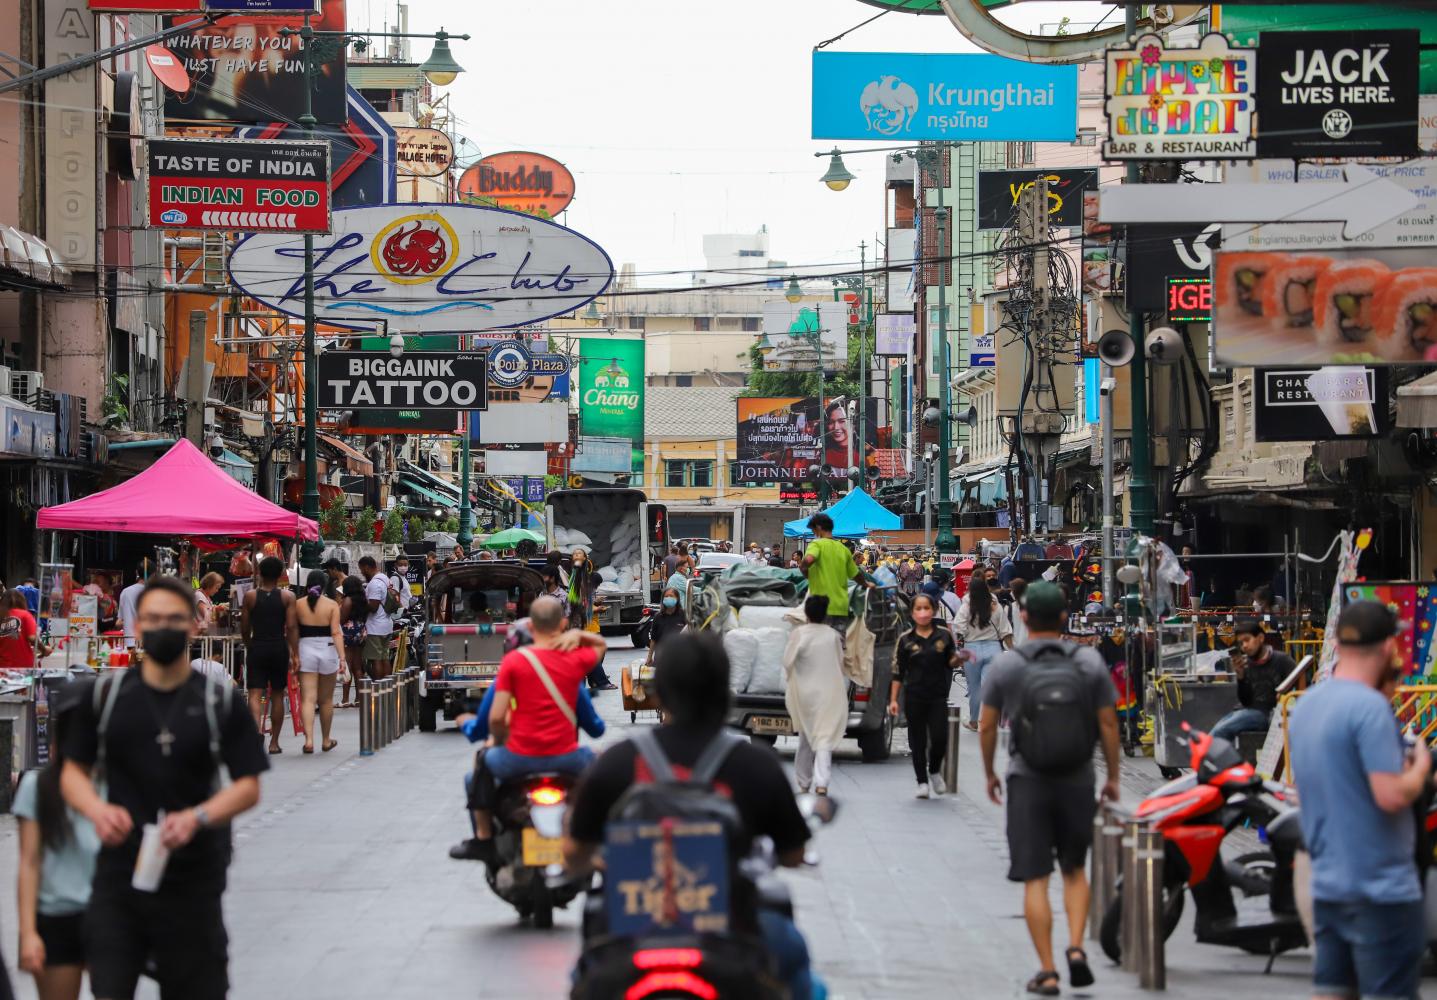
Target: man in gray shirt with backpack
(1059, 699)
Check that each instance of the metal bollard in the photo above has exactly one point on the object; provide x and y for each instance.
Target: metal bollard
(1152, 946)
(413, 706)
(1131, 904)
(401, 685)
(366, 717)
(950, 758)
(1107, 865)
(389, 734)
(381, 701)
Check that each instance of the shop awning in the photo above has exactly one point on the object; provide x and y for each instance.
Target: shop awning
(1417, 403)
(27, 261)
(410, 486)
(182, 493)
(237, 467)
(988, 487)
(354, 460)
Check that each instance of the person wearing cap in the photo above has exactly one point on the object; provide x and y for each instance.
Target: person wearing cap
(1259, 669)
(1357, 782)
(1049, 815)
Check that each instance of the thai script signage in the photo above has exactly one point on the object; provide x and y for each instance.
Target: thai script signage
(428, 268)
(1180, 104)
(238, 184)
(422, 152)
(911, 96)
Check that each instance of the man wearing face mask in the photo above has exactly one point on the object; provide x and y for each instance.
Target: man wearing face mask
(159, 736)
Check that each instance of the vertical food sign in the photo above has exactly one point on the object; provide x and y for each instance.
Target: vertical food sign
(1186, 103)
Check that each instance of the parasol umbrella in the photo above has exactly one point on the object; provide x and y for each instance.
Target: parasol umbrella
(511, 537)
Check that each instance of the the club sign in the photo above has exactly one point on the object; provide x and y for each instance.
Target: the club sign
(430, 268)
(416, 380)
(238, 184)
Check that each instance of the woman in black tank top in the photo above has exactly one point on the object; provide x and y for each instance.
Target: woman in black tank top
(321, 643)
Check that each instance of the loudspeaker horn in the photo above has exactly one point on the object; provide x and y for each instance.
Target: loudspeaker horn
(1116, 348)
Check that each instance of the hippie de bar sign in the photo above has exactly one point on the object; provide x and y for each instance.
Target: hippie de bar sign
(420, 380)
(238, 184)
(429, 268)
(1185, 103)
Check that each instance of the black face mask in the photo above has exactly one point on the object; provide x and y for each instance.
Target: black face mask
(165, 645)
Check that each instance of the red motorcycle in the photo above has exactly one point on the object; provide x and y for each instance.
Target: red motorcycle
(1195, 813)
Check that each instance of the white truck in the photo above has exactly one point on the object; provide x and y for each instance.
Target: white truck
(626, 538)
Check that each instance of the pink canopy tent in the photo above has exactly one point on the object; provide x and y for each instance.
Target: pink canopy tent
(183, 493)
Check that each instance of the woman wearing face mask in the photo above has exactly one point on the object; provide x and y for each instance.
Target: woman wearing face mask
(923, 662)
(669, 621)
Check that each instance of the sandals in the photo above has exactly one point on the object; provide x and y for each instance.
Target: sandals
(1044, 984)
(274, 749)
(1079, 972)
(309, 748)
(329, 745)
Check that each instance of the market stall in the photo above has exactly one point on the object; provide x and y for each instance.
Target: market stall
(853, 517)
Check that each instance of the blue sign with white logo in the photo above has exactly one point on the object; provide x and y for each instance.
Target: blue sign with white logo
(912, 96)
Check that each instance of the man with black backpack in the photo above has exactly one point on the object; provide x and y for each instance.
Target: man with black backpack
(692, 754)
(1059, 699)
(160, 741)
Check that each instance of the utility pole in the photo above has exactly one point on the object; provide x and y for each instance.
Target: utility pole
(195, 381)
(310, 552)
(1140, 484)
(936, 156)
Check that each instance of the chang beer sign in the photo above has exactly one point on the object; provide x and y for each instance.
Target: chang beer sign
(611, 391)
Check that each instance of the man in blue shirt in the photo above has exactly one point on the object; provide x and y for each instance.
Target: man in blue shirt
(1356, 783)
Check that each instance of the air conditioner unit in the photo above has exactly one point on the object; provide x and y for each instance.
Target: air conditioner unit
(4, 381)
(25, 386)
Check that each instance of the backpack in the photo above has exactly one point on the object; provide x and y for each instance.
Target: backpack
(107, 691)
(1056, 725)
(669, 845)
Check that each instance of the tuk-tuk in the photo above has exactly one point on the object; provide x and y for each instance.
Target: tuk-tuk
(470, 608)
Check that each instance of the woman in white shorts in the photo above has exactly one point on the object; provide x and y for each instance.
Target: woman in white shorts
(320, 642)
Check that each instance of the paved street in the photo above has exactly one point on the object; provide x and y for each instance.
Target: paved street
(341, 889)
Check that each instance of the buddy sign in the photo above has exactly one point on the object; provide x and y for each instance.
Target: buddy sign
(429, 268)
(1180, 104)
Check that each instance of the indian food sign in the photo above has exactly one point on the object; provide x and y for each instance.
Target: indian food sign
(428, 268)
(1180, 103)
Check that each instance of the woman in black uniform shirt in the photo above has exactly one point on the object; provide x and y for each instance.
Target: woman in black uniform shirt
(923, 662)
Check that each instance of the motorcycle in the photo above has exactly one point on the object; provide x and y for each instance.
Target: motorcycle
(528, 830)
(683, 965)
(1195, 813)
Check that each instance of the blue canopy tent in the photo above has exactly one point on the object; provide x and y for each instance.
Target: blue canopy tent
(853, 517)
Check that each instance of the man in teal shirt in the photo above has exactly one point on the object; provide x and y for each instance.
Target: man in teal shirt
(829, 566)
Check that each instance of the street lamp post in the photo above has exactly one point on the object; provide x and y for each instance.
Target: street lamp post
(441, 69)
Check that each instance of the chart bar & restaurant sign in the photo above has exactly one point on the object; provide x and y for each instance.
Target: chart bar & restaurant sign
(238, 184)
(418, 380)
(1180, 103)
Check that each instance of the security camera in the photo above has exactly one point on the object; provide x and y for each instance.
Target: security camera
(216, 446)
(1163, 346)
(1107, 386)
(396, 345)
(931, 416)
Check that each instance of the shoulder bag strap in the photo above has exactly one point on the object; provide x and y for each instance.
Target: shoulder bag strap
(110, 695)
(713, 757)
(647, 744)
(549, 685)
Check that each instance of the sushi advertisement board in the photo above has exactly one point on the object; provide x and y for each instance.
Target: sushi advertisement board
(1321, 404)
(1337, 93)
(1364, 306)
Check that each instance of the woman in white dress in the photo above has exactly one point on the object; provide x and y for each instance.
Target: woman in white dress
(816, 695)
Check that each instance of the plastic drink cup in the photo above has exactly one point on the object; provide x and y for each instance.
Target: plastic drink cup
(152, 859)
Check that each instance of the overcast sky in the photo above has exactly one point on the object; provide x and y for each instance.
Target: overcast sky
(680, 119)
